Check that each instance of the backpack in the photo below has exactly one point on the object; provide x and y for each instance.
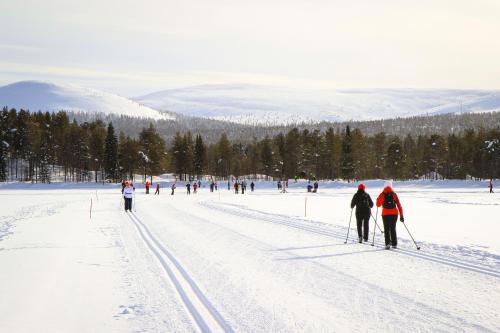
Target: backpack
(363, 202)
(389, 202)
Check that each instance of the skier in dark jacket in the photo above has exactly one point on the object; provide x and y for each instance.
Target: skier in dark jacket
(363, 204)
(391, 208)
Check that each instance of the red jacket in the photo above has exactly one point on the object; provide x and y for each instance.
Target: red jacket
(389, 211)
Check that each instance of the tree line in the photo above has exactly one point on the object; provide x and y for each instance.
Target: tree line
(43, 147)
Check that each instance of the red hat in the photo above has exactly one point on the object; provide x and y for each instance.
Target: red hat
(361, 187)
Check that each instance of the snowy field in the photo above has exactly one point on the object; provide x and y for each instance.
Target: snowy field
(257, 262)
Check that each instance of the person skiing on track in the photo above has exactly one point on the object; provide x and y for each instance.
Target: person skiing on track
(391, 208)
(188, 188)
(490, 185)
(252, 186)
(128, 194)
(173, 187)
(363, 203)
(195, 187)
(146, 185)
(157, 188)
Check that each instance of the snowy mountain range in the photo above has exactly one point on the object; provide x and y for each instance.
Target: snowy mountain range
(44, 96)
(252, 104)
(277, 105)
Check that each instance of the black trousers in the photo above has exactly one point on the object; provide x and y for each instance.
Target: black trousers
(363, 225)
(128, 204)
(390, 229)
(157, 191)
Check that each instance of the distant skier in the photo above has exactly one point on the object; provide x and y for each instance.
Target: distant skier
(252, 186)
(236, 187)
(123, 185)
(363, 204)
(212, 186)
(188, 188)
(284, 186)
(195, 187)
(316, 185)
(173, 187)
(128, 194)
(490, 185)
(199, 183)
(309, 187)
(146, 185)
(243, 186)
(216, 186)
(157, 189)
(279, 185)
(391, 208)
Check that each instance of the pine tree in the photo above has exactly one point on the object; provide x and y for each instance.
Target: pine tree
(111, 154)
(128, 157)
(152, 151)
(394, 162)
(223, 157)
(360, 155)
(97, 138)
(333, 148)
(178, 153)
(411, 155)
(199, 156)
(347, 169)
(266, 157)
(379, 149)
(292, 149)
(44, 157)
(4, 145)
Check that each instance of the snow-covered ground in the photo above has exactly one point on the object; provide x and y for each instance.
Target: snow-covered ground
(257, 262)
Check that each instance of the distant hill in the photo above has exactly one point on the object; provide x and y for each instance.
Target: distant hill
(44, 96)
(271, 105)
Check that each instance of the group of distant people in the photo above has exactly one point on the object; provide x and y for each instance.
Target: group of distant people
(312, 187)
(243, 186)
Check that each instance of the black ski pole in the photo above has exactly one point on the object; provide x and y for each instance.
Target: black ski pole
(374, 219)
(409, 233)
(349, 228)
(373, 240)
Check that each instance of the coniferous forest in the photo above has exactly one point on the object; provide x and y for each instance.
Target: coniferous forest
(45, 147)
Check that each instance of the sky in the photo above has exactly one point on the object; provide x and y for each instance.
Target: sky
(136, 47)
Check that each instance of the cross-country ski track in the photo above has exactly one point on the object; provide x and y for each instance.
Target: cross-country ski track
(227, 263)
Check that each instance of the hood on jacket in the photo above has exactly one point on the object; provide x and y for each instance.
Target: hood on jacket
(388, 186)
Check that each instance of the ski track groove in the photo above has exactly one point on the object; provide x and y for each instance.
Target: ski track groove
(164, 256)
(389, 297)
(289, 221)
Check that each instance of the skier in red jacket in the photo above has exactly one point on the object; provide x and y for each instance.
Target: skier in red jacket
(391, 208)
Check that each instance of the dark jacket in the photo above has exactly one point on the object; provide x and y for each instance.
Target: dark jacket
(363, 202)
